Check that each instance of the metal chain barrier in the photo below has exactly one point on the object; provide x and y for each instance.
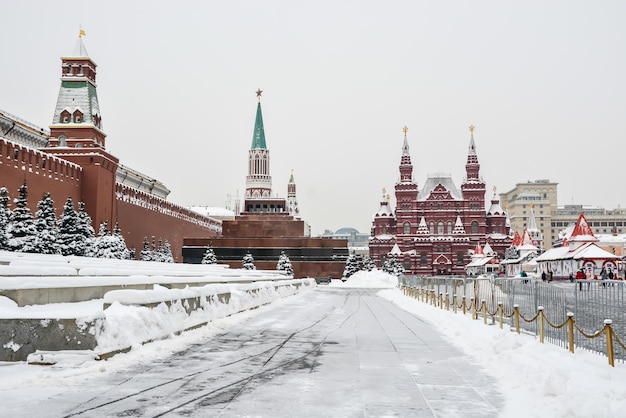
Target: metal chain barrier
(594, 335)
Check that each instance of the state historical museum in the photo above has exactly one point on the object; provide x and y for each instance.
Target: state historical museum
(435, 229)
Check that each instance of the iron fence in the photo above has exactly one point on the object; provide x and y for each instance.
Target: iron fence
(590, 302)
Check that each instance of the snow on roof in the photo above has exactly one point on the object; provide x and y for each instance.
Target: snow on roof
(479, 262)
(582, 231)
(433, 181)
(586, 251)
(214, 212)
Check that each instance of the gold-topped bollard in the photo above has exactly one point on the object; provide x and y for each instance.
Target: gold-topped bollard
(483, 305)
(447, 301)
(570, 330)
(441, 300)
(608, 328)
(516, 311)
(455, 308)
(540, 318)
(464, 304)
(500, 313)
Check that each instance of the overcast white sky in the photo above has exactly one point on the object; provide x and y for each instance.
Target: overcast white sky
(543, 82)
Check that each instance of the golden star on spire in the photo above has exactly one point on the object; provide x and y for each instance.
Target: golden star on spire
(405, 129)
(471, 128)
(258, 94)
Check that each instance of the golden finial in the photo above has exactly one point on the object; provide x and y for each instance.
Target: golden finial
(405, 130)
(81, 32)
(258, 94)
(384, 192)
(531, 205)
(471, 128)
(494, 189)
(388, 197)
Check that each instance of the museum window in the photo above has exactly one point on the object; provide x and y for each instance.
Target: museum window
(449, 227)
(423, 262)
(459, 259)
(407, 228)
(431, 227)
(440, 228)
(474, 227)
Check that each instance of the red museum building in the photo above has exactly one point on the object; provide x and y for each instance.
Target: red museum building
(435, 229)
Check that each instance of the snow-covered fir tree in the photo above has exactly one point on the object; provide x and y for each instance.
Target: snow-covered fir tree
(107, 245)
(4, 218)
(368, 264)
(166, 254)
(284, 263)
(117, 233)
(248, 262)
(209, 256)
(84, 229)
(393, 266)
(70, 240)
(21, 229)
(146, 253)
(46, 241)
(161, 252)
(352, 265)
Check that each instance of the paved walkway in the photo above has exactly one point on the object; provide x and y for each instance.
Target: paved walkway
(333, 352)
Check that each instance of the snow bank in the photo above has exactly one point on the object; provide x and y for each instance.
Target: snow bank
(374, 279)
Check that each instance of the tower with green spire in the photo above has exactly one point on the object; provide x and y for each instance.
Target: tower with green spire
(76, 134)
(258, 180)
(77, 122)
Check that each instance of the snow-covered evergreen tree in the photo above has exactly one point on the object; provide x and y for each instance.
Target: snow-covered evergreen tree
(5, 214)
(46, 241)
(168, 257)
(209, 256)
(248, 262)
(368, 264)
(108, 245)
(123, 250)
(21, 229)
(393, 266)
(70, 240)
(145, 254)
(284, 263)
(352, 265)
(84, 229)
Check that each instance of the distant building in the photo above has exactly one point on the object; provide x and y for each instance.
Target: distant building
(539, 197)
(435, 229)
(358, 242)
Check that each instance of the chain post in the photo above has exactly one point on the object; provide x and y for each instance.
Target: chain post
(608, 328)
(500, 313)
(570, 330)
(516, 308)
(473, 306)
(454, 303)
(464, 303)
(483, 305)
(540, 318)
(441, 300)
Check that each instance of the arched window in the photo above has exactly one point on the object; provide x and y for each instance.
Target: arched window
(62, 141)
(475, 227)
(384, 229)
(407, 228)
(440, 228)
(449, 227)
(431, 227)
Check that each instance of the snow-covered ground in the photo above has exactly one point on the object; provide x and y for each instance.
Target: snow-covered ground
(537, 379)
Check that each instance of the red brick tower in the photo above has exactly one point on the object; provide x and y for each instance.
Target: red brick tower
(76, 134)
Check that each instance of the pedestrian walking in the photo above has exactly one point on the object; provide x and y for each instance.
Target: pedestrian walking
(580, 276)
